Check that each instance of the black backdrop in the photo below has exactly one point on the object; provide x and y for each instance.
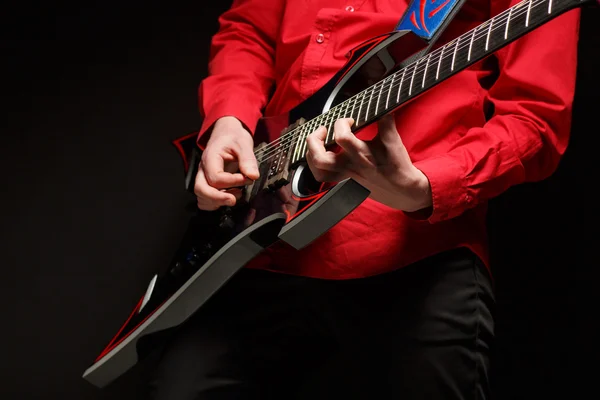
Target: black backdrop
(92, 197)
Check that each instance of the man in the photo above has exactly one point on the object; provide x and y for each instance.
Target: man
(399, 292)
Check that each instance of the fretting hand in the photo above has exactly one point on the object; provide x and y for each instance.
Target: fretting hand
(382, 165)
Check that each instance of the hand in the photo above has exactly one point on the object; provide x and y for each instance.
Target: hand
(382, 165)
(230, 149)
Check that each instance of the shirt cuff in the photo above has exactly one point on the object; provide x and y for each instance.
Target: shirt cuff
(230, 106)
(449, 193)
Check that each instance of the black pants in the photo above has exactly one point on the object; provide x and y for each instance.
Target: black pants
(421, 332)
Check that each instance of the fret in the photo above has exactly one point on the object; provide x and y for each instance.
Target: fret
(483, 42)
(375, 97)
(413, 77)
(348, 109)
(331, 119)
(330, 122)
(300, 144)
(466, 54)
(296, 148)
(454, 54)
(346, 103)
(358, 102)
(437, 73)
(471, 44)
(541, 13)
(342, 110)
(507, 23)
(316, 122)
(425, 73)
(528, 13)
(360, 107)
(487, 40)
(400, 88)
(330, 130)
(335, 114)
(302, 141)
(365, 101)
(388, 88)
(550, 7)
(326, 120)
(387, 100)
(379, 96)
(291, 150)
(518, 19)
(353, 100)
(309, 129)
(447, 65)
(357, 106)
(320, 121)
(369, 104)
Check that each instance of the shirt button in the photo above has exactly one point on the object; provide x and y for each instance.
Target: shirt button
(350, 9)
(320, 38)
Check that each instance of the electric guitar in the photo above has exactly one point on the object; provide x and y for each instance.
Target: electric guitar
(286, 203)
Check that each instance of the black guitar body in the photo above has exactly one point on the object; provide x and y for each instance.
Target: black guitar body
(289, 206)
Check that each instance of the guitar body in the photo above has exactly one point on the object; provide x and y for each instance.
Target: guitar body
(292, 207)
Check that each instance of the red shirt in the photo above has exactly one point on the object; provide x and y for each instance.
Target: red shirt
(295, 47)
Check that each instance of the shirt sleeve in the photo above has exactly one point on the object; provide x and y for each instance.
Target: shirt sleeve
(529, 131)
(241, 69)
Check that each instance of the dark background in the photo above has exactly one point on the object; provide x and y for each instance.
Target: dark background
(92, 197)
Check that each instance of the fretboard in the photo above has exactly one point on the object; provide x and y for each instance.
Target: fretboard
(426, 72)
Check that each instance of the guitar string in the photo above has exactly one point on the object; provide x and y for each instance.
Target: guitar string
(284, 142)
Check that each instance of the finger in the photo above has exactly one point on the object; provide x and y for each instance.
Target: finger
(357, 150)
(236, 192)
(318, 136)
(208, 197)
(330, 176)
(232, 167)
(317, 156)
(214, 172)
(247, 161)
(387, 131)
(209, 205)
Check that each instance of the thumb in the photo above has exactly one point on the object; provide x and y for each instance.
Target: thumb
(247, 162)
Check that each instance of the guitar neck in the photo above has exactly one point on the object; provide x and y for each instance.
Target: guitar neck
(426, 72)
